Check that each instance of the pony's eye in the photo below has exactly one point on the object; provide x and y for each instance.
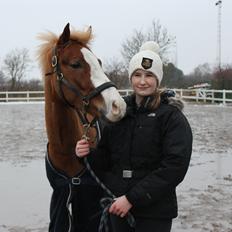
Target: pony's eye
(76, 65)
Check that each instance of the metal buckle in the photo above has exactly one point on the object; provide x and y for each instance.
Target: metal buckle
(76, 181)
(127, 173)
(60, 76)
(85, 102)
(54, 61)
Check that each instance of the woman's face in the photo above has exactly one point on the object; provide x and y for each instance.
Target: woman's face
(143, 82)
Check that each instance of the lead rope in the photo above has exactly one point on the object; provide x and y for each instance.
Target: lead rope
(105, 202)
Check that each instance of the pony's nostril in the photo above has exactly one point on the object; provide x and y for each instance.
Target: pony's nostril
(115, 108)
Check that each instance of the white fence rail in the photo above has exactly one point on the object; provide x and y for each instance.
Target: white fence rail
(198, 95)
(18, 96)
(205, 95)
(31, 96)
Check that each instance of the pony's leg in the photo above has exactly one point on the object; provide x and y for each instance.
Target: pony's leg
(86, 209)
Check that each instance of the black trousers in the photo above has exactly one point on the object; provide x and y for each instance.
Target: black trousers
(142, 225)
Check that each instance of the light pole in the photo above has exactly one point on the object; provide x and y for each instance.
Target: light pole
(219, 5)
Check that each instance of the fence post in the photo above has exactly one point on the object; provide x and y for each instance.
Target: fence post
(28, 96)
(197, 95)
(204, 95)
(181, 93)
(224, 96)
(212, 96)
(6, 96)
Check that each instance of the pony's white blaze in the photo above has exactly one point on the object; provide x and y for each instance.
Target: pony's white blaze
(115, 105)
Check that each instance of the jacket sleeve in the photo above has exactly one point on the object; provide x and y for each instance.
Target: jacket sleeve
(176, 149)
(99, 158)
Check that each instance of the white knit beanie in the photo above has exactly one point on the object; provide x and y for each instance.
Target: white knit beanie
(147, 59)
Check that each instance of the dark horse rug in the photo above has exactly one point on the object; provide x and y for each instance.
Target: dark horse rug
(75, 201)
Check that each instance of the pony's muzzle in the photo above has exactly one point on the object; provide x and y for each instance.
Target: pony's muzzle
(117, 110)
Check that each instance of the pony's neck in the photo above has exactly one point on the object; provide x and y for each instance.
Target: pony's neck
(63, 131)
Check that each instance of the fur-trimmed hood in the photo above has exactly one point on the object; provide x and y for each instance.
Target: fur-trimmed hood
(176, 102)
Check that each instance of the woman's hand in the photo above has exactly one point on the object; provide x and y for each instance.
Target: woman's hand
(82, 148)
(120, 207)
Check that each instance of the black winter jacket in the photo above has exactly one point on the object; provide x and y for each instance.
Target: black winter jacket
(156, 147)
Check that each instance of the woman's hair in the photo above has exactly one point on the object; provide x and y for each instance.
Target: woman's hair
(155, 102)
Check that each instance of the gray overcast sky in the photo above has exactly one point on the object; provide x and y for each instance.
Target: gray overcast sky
(193, 22)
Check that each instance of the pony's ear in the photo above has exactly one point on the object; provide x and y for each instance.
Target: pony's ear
(89, 30)
(64, 37)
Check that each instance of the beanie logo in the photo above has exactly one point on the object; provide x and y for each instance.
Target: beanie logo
(146, 63)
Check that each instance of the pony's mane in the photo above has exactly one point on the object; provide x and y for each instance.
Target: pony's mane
(50, 39)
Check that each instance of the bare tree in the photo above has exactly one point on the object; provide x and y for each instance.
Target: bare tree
(156, 33)
(16, 63)
(2, 79)
(131, 46)
(31, 85)
(160, 34)
(222, 78)
(202, 73)
(117, 73)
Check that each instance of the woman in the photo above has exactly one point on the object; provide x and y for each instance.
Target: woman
(146, 155)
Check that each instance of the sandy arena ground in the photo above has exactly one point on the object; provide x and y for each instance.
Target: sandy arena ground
(205, 196)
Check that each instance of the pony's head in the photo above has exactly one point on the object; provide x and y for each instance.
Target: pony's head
(76, 75)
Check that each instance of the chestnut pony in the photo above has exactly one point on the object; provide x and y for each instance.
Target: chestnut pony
(76, 91)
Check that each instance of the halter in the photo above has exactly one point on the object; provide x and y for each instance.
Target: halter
(85, 98)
